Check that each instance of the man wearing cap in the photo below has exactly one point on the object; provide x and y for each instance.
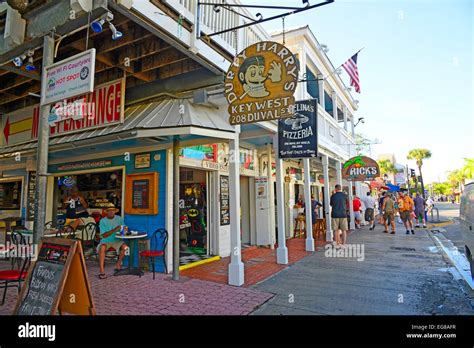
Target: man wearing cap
(109, 226)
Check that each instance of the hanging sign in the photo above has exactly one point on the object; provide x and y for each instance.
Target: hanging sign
(260, 83)
(298, 134)
(69, 77)
(224, 196)
(56, 281)
(360, 168)
(30, 196)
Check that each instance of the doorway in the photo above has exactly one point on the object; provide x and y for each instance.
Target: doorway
(245, 209)
(194, 219)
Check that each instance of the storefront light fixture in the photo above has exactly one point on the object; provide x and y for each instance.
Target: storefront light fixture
(98, 26)
(18, 61)
(115, 33)
(30, 65)
(360, 120)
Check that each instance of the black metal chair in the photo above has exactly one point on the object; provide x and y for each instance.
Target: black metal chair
(20, 263)
(158, 242)
(88, 239)
(66, 232)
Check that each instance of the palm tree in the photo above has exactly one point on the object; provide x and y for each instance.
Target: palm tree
(419, 155)
(456, 178)
(468, 168)
(386, 167)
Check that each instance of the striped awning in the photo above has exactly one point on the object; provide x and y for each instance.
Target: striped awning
(169, 113)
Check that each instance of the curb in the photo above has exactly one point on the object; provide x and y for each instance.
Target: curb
(451, 256)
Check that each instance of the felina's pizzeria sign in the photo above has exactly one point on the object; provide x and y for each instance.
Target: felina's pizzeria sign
(360, 168)
(260, 83)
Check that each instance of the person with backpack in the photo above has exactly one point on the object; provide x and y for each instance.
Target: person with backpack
(405, 207)
(388, 209)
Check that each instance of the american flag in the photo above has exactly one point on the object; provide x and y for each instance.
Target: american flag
(351, 67)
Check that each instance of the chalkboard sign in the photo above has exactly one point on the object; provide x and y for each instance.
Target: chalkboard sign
(30, 199)
(224, 188)
(58, 272)
(43, 288)
(140, 194)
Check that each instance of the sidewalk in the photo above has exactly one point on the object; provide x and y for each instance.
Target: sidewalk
(131, 295)
(260, 263)
(398, 275)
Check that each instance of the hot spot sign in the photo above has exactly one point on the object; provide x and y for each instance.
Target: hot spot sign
(360, 168)
(260, 83)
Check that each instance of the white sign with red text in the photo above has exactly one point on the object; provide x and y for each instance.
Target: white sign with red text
(68, 78)
(101, 108)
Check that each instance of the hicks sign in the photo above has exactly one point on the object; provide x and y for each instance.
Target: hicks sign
(103, 107)
(260, 83)
(360, 168)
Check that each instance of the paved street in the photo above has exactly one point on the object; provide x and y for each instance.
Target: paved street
(400, 274)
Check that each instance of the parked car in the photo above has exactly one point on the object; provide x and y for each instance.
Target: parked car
(466, 215)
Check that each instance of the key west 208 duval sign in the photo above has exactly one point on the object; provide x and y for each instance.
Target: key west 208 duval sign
(260, 83)
(360, 168)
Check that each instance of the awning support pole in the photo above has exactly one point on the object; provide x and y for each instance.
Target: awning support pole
(309, 208)
(282, 250)
(236, 266)
(327, 197)
(176, 208)
(42, 152)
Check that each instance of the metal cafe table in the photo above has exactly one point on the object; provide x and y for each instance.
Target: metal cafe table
(132, 238)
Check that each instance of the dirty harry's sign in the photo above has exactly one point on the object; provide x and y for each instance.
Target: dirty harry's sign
(260, 83)
(360, 168)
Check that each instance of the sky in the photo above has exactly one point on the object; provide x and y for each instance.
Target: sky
(416, 72)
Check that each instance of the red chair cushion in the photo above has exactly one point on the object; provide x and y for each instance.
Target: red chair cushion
(11, 275)
(152, 253)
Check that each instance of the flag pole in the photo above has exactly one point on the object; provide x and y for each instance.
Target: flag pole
(325, 78)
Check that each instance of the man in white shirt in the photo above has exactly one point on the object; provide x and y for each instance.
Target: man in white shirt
(369, 203)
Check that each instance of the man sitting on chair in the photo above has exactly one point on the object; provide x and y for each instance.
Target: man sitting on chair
(109, 226)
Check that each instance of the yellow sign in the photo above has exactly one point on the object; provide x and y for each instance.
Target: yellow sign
(260, 83)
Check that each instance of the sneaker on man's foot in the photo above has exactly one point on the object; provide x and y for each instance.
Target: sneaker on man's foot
(393, 232)
(408, 232)
(417, 226)
(412, 232)
(424, 226)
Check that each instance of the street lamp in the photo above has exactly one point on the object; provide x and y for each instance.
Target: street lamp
(361, 119)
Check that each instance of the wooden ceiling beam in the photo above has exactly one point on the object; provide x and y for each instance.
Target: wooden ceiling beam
(160, 60)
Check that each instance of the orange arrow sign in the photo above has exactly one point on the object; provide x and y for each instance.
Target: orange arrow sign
(17, 127)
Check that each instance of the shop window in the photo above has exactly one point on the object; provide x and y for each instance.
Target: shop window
(312, 85)
(10, 195)
(340, 115)
(200, 152)
(328, 103)
(247, 159)
(98, 189)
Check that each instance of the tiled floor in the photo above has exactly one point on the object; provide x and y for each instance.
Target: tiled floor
(131, 295)
(259, 263)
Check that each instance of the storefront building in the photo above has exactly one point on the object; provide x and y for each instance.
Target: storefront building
(141, 107)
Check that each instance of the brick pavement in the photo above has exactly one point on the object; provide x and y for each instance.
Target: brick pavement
(259, 263)
(202, 290)
(131, 295)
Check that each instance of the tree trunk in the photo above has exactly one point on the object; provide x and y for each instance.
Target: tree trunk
(422, 185)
